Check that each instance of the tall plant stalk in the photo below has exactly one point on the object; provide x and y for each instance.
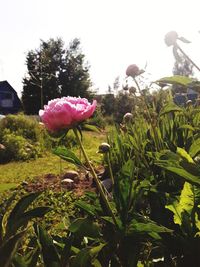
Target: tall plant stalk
(149, 115)
(98, 184)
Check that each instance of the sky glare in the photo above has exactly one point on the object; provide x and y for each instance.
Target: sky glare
(113, 34)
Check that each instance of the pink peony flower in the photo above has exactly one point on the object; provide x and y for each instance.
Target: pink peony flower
(66, 112)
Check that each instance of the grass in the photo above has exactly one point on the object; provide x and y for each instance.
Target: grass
(16, 172)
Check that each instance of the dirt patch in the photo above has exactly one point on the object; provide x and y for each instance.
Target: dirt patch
(83, 182)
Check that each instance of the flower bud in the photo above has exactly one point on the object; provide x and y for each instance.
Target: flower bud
(189, 102)
(171, 38)
(128, 117)
(104, 148)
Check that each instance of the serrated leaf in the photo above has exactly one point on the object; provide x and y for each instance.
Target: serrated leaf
(176, 79)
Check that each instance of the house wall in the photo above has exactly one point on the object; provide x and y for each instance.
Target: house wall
(9, 101)
(6, 99)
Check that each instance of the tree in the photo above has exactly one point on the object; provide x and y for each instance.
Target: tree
(54, 72)
(74, 77)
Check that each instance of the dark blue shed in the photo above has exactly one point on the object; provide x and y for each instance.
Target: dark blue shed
(9, 100)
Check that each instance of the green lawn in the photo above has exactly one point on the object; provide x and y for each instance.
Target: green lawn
(15, 172)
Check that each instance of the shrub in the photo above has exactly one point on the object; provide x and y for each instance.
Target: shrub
(22, 137)
(97, 119)
(18, 148)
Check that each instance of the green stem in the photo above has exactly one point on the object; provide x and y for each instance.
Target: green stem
(98, 184)
(110, 167)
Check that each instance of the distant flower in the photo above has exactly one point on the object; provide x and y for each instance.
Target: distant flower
(132, 70)
(171, 38)
(66, 112)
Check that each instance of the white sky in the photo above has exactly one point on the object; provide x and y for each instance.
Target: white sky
(113, 34)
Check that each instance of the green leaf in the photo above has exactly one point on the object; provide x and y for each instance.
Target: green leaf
(7, 186)
(67, 155)
(149, 227)
(179, 164)
(95, 250)
(195, 148)
(32, 257)
(49, 253)
(89, 127)
(180, 171)
(19, 261)
(65, 256)
(8, 249)
(82, 259)
(180, 151)
(176, 79)
(185, 204)
(29, 260)
(96, 263)
(171, 107)
(27, 216)
(187, 127)
(19, 209)
(90, 209)
(85, 227)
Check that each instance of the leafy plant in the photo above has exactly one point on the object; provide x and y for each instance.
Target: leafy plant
(14, 223)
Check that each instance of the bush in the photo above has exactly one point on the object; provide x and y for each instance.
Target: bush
(22, 137)
(98, 119)
(18, 148)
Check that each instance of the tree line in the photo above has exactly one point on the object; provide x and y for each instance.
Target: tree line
(54, 71)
